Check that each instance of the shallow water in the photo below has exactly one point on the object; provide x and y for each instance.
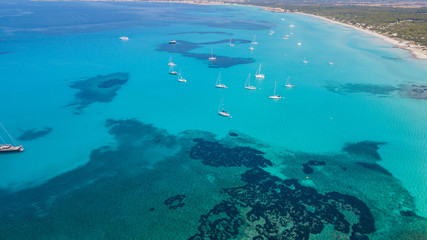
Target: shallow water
(45, 55)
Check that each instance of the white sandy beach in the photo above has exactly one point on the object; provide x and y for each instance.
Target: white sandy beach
(416, 51)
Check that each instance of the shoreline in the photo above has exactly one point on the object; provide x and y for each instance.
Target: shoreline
(416, 51)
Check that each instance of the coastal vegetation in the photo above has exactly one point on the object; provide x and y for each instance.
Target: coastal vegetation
(407, 23)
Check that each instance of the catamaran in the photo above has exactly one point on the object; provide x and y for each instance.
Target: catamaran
(171, 71)
(248, 83)
(7, 147)
(231, 44)
(289, 85)
(180, 79)
(222, 112)
(170, 62)
(254, 42)
(274, 96)
(212, 57)
(258, 74)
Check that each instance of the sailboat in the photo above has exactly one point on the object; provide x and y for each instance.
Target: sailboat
(289, 85)
(222, 112)
(248, 83)
(212, 57)
(231, 44)
(254, 42)
(124, 38)
(330, 62)
(170, 62)
(171, 71)
(218, 82)
(180, 79)
(251, 47)
(271, 31)
(299, 44)
(304, 61)
(274, 96)
(258, 74)
(7, 147)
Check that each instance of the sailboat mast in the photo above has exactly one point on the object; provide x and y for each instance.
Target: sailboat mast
(10, 136)
(274, 94)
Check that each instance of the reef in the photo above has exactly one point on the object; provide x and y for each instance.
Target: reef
(374, 167)
(175, 202)
(413, 91)
(309, 170)
(102, 88)
(283, 209)
(215, 154)
(147, 180)
(367, 149)
(201, 33)
(184, 48)
(373, 89)
(32, 134)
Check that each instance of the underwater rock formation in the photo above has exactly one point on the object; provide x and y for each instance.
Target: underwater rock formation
(215, 154)
(32, 134)
(413, 91)
(175, 202)
(184, 48)
(365, 148)
(102, 88)
(283, 209)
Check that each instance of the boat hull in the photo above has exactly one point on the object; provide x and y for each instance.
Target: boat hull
(10, 148)
(275, 97)
(224, 114)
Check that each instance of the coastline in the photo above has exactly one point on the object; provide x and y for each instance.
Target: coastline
(416, 51)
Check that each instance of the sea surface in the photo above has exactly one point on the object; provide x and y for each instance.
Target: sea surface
(112, 139)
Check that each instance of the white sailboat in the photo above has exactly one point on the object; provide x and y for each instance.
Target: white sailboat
(170, 62)
(212, 57)
(251, 47)
(248, 83)
(258, 74)
(231, 44)
(271, 31)
(171, 71)
(222, 112)
(124, 38)
(330, 62)
(254, 42)
(304, 61)
(289, 85)
(274, 96)
(12, 146)
(299, 44)
(218, 83)
(180, 79)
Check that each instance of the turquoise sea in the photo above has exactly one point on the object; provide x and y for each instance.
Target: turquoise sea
(117, 148)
